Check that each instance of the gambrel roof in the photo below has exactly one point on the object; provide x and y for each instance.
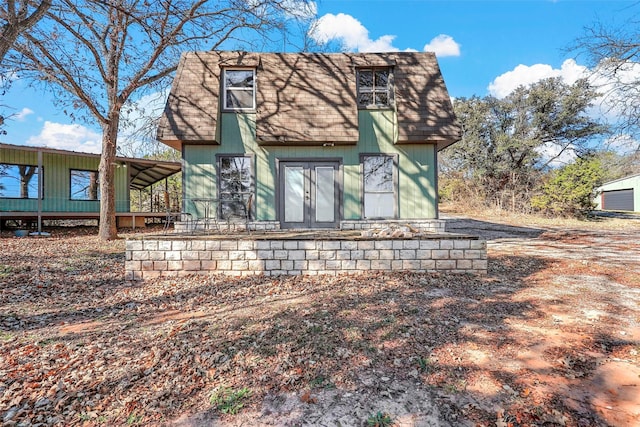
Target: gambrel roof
(308, 98)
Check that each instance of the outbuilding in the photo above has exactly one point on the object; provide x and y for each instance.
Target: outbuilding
(40, 183)
(620, 195)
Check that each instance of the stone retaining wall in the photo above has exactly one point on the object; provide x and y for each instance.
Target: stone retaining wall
(248, 255)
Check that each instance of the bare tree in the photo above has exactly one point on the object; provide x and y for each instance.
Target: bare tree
(97, 54)
(16, 17)
(613, 53)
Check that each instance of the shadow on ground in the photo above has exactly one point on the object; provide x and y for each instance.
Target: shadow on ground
(81, 346)
(490, 230)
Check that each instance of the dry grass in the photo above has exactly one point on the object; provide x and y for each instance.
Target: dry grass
(505, 217)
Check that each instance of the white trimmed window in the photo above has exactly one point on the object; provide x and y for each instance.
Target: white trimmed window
(380, 183)
(239, 90)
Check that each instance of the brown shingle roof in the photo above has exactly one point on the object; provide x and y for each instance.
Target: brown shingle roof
(308, 98)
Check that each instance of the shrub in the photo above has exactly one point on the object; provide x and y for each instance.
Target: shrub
(570, 190)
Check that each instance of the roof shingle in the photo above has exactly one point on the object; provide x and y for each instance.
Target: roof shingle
(308, 98)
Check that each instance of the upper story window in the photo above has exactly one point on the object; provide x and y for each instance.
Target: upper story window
(239, 89)
(375, 87)
(18, 181)
(84, 185)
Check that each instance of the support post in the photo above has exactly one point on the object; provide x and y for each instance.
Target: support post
(40, 188)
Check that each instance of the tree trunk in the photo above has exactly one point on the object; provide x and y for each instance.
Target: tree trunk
(26, 173)
(108, 229)
(93, 186)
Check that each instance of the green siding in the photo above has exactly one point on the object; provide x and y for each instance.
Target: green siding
(56, 181)
(20, 158)
(416, 165)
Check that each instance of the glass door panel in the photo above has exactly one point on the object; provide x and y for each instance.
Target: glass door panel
(294, 193)
(325, 194)
(309, 196)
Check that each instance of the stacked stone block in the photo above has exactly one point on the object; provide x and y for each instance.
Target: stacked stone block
(239, 257)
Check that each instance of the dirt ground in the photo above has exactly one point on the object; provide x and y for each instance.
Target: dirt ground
(550, 337)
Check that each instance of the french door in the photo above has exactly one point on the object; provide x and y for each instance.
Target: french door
(309, 194)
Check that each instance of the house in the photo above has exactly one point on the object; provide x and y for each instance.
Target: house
(69, 184)
(346, 140)
(620, 195)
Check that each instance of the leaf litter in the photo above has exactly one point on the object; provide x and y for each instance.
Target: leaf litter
(527, 345)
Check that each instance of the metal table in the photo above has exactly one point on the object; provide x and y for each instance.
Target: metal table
(204, 207)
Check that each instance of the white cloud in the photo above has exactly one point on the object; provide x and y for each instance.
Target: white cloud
(443, 45)
(67, 137)
(524, 75)
(75, 137)
(553, 151)
(349, 31)
(300, 9)
(354, 36)
(22, 114)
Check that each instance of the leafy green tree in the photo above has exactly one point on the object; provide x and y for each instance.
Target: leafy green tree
(570, 190)
(508, 143)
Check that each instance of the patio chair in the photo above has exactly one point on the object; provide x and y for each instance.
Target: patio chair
(173, 217)
(238, 212)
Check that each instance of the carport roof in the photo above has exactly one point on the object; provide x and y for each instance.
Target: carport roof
(621, 179)
(142, 172)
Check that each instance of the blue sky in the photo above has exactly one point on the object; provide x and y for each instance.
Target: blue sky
(483, 47)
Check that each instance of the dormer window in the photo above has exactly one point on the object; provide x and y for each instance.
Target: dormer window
(375, 87)
(239, 90)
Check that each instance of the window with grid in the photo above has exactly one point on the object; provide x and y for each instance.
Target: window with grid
(374, 87)
(235, 185)
(239, 90)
